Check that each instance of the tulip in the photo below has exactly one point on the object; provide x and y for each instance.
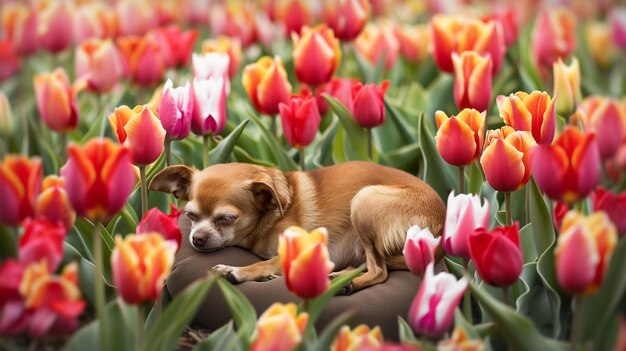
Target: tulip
(509, 18)
(19, 24)
(9, 60)
(614, 205)
(305, 261)
(567, 170)
(280, 327)
(167, 225)
(358, 338)
(94, 21)
(506, 158)
(553, 35)
(196, 12)
(369, 107)
(414, 41)
(346, 18)
(300, 120)
(55, 26)
(600, 43)
(458, 34)
(266, 84)
(13, 318)
(176, 45)
(7, 125)
(209, 112)
(617, 18)
(176, 110)
(583, 251)
(56, 100)
(497, 254)
(316, 55)
(419, 249)
(472, 80)
(140, 264)
(388, 346)
(293, 14)
(142, 60)
(460, 138)
(465, 214)
(533, 112)
(378, 42)
(212, 65)
(566, 86)
(42, 240)
(140, 131)
(607, 118)
(54, 302)
(135, 17)
(558, 213)
(225, 45)
(340, 89)
(460, 342)
(98, 178)
(53, 203)
(99, 63)
(432, 310)
(235, 20)
(20, 182)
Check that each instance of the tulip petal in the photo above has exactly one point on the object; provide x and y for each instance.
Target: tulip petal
(455, 142)
(503, 166)
(576, 260)
(549, 165)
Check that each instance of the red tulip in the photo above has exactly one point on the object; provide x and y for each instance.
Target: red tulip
(607, 118)
(460, 138)
(567, 170)
(316, 55)
(20, 183)
(553, 35)
(176, 110)
(167, 225)
(300, 120)
(99, 178)
(9, 61)
(13, 318)
(53, 203)
(42, 240)
(472, 80)
(266, 84)
(99, 63)
(340, 89)
(378, 42)
(56, 25)
(419, 249)
(346, 18)
(533, 112)
(142, 60)
(614, 205)
(176, 45)
(140, 131)
(369, 106)
(19, 23)
(56, 100)
(497, 254)
(293, 14)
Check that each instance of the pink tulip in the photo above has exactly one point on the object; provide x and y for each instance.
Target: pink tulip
(465, 214)
(369, 105)
(553, 35)
(19, 23)
(209, 112)
(56, 26)
(99, 63)
(140, 131)
(614, 205)
(316, 54)
(378, 42)
(135, 17)
(432, 310)
(346, 18)
(617, 19)
(340, 89)
(94, 21)
(607, 118)
(212, 64)
(176, 110)
(142, 60)
(56, 100)
(42, 240)
(300, 120)
(419, 249)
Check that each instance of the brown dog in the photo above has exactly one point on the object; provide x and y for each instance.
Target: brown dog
(367, 209)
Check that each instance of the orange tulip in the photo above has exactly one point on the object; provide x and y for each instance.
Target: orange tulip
(506, 158)
(460, 138)
(140, 131)
(460, 341)
(55, 25)
(533, 112)
(20, 182)
(225, 45)
(378, 42)
(316, 54)
(346, 18)
(566, 86)
(56, 100)
(54, 203)
(266, 84)
(458, 34)
(142, 60)
(554, 35)
(607, 118)
(360, 337)
(19, 24)
(99, 63)
(140, 264)
(472, 80)
(280, 327)
(414, 41)
(305, 261)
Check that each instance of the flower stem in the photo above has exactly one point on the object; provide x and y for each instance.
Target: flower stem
(507, 203)
(99, 285)
(205, 150)
(63, 146)
(505, 295)
(168, 152)
(577, 301)
(461, 180)
(467, 302)
(370, 152)
(302, 159)
(141, 327)
(144, 190)
(274, 127)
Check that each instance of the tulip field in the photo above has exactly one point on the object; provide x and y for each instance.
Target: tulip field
(513, 112)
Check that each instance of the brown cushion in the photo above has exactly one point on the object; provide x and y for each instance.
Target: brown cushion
(377, 305)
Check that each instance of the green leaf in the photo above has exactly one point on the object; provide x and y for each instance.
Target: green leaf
(157, 309)
(357, 136)
(402, 126)
(95, 129)
(130, 216)
(240, 307)
(527, 242)
(339, 149)
(329, 334)
(283, 161)
(405, 331)
(437, 172)
(440, 94)
(222, 339)
(8, 242)
(167, 330)
(540, 219)
(221, 153)
(322, 154)
(475, 182)
(317, 304)
(536, 303)
(461, 322)
(546, 270)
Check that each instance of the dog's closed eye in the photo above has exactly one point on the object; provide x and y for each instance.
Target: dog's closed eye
(225, 219)
(192, 216)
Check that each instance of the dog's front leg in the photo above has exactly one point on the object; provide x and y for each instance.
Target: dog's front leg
(260, 271)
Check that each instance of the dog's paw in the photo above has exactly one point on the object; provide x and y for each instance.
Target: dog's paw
(266, 278)
(346, 290)
(229, 272)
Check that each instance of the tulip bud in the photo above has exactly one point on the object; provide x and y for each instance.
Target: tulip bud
(20, 182)
(54, 204)
(340, 89)
(140, 264)
(509, 18)
(235, 20)
(607, 118)
(140, 131)
(419, 249)
(280, 327)
(209, 111)
(567, 170)
(266, 84)
(614, 205)
(293, 14)
(566, 86)
(167, 225)
(600, 43)
(583, 251)
(472, 80)
(135, 17)
(11, 322)
(176, 110)
(305, 261)
(357, 339)
(465, 214)
(55, 27)
(316, 54)
(497, 254)
(553, 35)
(56, 100)
(346, 18)
(369, 105)
(300, 120)
(94, 21)
(42, 240)
(378, 42)
(460, 138)
(506, 158)
(533, 112)
(225, 45)
(142, 60)
(176, 45)
(99, 63)
(10, 61)
(212, 64)
(98, 178)
(414, 41)
(6, 117)
(19, 24)
(432, 310)
(617, 18)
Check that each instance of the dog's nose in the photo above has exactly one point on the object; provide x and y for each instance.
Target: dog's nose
(199, 240)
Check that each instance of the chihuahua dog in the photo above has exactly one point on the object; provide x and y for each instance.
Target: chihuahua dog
(366, 208)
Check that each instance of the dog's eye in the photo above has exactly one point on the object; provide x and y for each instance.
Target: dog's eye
(225, 219)
(191, 216)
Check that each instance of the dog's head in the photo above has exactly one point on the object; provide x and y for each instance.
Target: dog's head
(226, 202)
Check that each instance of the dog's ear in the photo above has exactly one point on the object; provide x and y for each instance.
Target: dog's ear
(174, 180)
(271, 191)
